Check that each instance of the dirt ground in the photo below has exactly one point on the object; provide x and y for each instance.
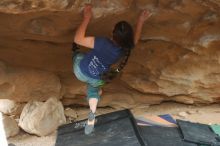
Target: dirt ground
(208, 114)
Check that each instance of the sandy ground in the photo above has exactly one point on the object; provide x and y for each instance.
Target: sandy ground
(208, 114)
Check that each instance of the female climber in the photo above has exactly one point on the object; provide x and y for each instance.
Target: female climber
(94, 67)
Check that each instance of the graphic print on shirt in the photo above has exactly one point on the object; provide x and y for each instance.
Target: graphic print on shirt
(94, 64)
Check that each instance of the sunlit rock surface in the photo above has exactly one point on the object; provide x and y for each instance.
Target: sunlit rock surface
(177, 58)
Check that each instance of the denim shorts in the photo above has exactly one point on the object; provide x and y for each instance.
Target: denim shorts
(93, 85)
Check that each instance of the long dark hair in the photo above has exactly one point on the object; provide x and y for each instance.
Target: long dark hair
(123, 36)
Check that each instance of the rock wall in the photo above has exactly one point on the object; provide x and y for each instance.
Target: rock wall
(177, 58)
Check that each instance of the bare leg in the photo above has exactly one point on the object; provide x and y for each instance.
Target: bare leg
(93, 102)
(89, 128)
(93, 95)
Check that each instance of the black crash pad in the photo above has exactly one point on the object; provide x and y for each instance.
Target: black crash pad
(113, 129)
(162, 136)
(198, 133)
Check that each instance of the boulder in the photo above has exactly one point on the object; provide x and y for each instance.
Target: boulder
(3, 137)
(177, 58)
(42, 118)
(11, 126)
(7, 106)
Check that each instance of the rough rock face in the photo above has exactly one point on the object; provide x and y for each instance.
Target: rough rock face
(22, 85)
(42, 118)
(178, 57)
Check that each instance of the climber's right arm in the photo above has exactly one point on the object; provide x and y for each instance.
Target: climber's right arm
(80, 36)
(140, 22)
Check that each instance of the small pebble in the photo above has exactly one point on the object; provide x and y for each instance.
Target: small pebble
(191, 112)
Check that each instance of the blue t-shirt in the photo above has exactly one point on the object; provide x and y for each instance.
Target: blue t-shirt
(99, 59)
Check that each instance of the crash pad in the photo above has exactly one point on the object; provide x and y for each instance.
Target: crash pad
(113, 129)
